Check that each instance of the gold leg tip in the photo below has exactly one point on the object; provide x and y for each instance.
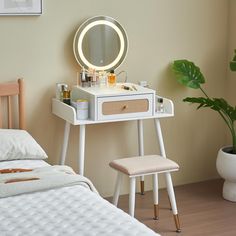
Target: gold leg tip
(177, 224)
(142, 187)
(156, 212)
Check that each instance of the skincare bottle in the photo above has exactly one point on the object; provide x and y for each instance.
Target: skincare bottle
(59, 88)
(102, 79)
(111, 79)
(66, 96)
(160, 105)
(89, 77)
(83, 81)
(94, 78)
(62, 89)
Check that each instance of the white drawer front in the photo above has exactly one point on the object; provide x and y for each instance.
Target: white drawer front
(118, 107)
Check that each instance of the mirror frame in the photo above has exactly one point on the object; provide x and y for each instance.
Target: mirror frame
(85, 27)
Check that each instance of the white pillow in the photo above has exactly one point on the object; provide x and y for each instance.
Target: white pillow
(19, 144)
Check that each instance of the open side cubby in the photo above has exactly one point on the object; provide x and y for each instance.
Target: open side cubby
(68, 113)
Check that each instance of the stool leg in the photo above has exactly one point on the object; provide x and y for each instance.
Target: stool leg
(117, 188)
(171, 194)
(132, 196)
(155, 196)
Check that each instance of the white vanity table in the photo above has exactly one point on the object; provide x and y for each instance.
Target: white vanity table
(105, 107)
(101, 43)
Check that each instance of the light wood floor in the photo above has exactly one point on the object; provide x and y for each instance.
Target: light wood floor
(202, 210)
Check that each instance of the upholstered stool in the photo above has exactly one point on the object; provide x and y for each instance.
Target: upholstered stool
(146, 165)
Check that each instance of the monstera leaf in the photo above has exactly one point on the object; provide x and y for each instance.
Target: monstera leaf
(188, 73)
(216, 104)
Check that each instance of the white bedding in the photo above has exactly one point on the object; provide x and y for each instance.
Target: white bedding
(41, 179)
(65, 211)
(30, 164)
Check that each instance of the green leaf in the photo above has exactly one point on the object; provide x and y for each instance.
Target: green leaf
(188, 74)
(216, 104)
(232, 64)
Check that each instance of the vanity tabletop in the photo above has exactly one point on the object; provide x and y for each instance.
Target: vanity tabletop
(119, 89)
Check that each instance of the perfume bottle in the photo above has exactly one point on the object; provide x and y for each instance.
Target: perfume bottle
(63, 87)
(83, 81)
(111, 78)
(66, 96)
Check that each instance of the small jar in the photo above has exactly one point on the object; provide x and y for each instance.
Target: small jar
(81, 106)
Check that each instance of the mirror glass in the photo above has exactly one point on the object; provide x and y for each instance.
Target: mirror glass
(100, 43)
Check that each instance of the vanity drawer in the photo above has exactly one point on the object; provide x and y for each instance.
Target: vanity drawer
(119, 107)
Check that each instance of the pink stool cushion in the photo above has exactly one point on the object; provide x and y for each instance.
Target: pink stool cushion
(144, 165)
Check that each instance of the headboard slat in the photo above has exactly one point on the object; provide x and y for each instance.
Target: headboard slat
(9, 112)
(9, 89)
(0, 113)
(21, 101)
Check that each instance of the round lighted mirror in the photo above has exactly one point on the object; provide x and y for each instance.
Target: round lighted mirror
(100, 43)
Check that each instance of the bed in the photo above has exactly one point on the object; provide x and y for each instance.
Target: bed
(71, 209)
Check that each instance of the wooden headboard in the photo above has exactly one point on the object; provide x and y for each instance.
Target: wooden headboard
(9, 90)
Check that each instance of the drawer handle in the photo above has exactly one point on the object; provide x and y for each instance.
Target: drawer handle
(124, 107)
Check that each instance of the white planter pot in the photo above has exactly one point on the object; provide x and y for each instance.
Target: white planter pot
(226, 167)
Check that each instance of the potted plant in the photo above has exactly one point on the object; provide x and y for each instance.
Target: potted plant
(190, 75)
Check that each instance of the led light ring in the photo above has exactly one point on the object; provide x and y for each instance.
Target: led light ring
(86, 29)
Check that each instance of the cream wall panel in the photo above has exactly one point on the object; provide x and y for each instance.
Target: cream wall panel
(231, 78)
(40, 50)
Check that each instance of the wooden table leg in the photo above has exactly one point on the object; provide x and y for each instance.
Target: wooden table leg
(141, 151)
(81, 149)
(65, 143)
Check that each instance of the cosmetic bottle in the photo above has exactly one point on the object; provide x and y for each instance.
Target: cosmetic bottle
(94, 78)
(59, 89)
(102, 79)
(89, 77)
(83, 81)
(160, 105)
(63, 87)
(66, 96)
(111, 78)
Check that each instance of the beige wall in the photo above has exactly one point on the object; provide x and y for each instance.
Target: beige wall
(231, 81)
(40, 50)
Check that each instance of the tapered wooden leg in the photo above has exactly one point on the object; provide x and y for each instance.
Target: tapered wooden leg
(169, 203)
(65, 143)
(156, 212)
(155, 196)
(141, 151)
(169, 184)
(81, 148)
(132, 196)
(171, 194)
(177, 224)
(142, 187)
(117, 188)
